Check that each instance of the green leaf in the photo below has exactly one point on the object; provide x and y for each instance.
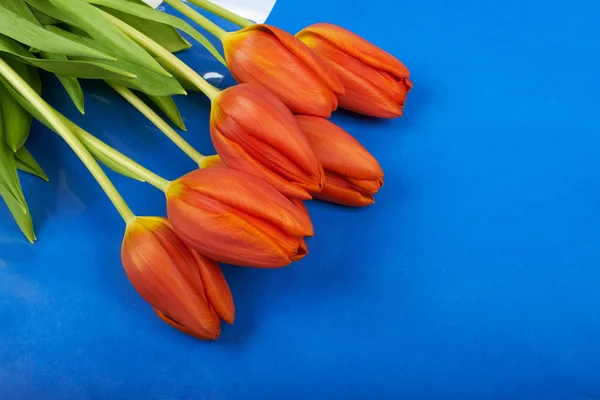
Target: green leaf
(168, 106)
(90, 19)
(31, 34)
(9, 180)
(22, 216)
(150, 14)
(165, 35)
(77, 68)
(24, 103)
(70, 83)
(20, 8)
(42, 18)
(25, 162)
(16, 121)
(145, 81)
(48, 9)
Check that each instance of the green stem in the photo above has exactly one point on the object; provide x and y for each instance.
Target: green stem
(198, 18)
(159, 123)
(92, 141)
(61, 128)
(150, 45)
(222, 12)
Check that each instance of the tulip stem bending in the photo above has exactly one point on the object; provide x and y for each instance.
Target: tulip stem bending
(55, 120)
(137, 169)
(159, 123)
(151, 46)
(222, 12)
(198, 18)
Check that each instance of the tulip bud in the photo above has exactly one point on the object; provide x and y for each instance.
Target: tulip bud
(277, 60)
(255, 132)
(236, 218)
(352, 174)
(376, 83)
(186, 289)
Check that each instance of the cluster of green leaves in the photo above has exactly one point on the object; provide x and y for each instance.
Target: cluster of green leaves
(73, 39)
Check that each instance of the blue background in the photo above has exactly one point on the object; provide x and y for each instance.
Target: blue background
(476, 274)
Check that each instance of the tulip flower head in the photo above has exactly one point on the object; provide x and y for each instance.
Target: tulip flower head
(186, 289)
(277, 60)
(375, 82)
(236, 218)
(352, 174)
(254, 132)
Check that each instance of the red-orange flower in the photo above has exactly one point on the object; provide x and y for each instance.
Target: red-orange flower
(255, 132)
(352, 174)
(376, 82)
(186, 289)
(236, 218)
(277, 60)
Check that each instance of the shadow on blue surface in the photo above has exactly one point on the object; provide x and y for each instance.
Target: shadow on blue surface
(474, 276)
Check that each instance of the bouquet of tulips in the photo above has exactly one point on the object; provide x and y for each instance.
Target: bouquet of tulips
(275, 146)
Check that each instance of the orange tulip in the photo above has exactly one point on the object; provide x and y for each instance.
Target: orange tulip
(277, 60)
(186, 289)
(254, 132)
(236, 218)
(376, 82)
(352, 174)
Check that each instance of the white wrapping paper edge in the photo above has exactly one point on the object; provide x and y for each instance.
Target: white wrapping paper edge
(254, 10)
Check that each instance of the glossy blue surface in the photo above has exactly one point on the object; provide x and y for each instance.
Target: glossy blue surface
(476, 274)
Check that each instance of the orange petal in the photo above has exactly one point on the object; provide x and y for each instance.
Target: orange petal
(302, 207)
(300, 50)
(365, 98)
(238, 159)
(291, 245)
(241, 192)
(225, 237)
(256, 55)
(164, 272)
(368, 91)
(367, 186)
(253, 118)
(358, 47)
(338, 190)
(216, 287)
(178, 326)
(338, 151)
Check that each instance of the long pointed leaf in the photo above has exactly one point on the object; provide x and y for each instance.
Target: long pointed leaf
(26, 162)
(36, 36)
(168, 106)
(165, 35)
(22, 216)
(20, 8)
(77, 68)
(71, 84)
(48, 9)
(15, 120)
(97, 26)
(145, 81)
(9, 180)
(157, 16)
(42, 18)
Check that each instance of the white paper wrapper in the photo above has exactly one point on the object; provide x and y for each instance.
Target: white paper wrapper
(255, 10)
